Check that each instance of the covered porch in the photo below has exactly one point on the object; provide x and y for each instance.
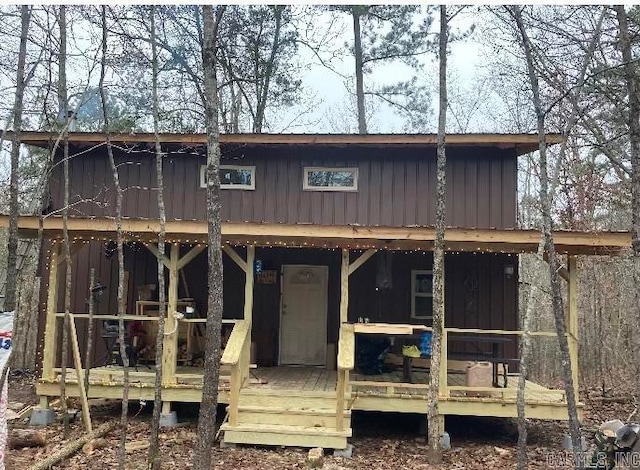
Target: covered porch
(255, 398)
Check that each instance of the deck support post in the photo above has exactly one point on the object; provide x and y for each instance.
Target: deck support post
(443, 389)
(340, 389)
(170, 347)
(49, 352)
(572, 320)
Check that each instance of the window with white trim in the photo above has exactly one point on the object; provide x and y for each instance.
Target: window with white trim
(329, 179)
(232, 177)
(422, 294)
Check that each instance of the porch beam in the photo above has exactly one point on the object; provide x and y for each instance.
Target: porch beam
(49, 352)
(361, 260)
(344, 286)
(190, 256)
(344, 236)
(572, 314)
(170, 347)
(153, 249)
(233, 254)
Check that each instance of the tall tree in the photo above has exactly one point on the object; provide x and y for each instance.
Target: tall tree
(632, 82)
(211, 376)
(12, 245)
(119, 242)
(435, 431)
(154, 447)
(384, 34)
(258, 62)
(62, 122)
(547, 230)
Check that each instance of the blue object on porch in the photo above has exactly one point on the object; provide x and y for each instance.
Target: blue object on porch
(258, 266)
(425, 344)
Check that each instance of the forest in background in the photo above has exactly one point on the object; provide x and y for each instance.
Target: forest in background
(387, 68)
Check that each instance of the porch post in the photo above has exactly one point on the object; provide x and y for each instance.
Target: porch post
(50, 349)
(572, 320)
(170, 348)
(344, 314)
(344, 286)
(248, 311)
(248, 284)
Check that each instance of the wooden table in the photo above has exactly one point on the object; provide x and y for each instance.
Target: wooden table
(494, 359)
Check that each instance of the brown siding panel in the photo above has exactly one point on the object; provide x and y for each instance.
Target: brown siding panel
(396, 187)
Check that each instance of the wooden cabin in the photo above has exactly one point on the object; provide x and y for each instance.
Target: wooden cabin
(327, 243)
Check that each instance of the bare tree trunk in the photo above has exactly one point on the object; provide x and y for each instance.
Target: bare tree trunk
(120, 240)
(434, 431)
(154, 447)
(633, 118)
(357, 50)
(525, 350)
(62, 121)
(525, 344)
(12, 245)
(207, 420)
(547, 227)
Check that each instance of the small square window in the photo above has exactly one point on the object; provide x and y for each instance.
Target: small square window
(422, 294)
(330, 179)
(232, 177)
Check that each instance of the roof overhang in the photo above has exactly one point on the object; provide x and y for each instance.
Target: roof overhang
(322, 236)
(522, 143)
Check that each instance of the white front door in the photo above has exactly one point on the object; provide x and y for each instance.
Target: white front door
(303, 319)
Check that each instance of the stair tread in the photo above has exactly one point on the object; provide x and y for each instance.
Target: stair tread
(286, 429)
(288, 393)
(293, 410)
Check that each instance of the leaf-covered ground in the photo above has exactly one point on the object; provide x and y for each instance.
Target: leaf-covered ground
(381, 441)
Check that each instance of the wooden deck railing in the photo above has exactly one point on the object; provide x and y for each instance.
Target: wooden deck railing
(237, 356)
(346, 362)
(393, 329)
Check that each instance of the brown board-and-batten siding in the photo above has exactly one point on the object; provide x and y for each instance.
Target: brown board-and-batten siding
(479, 292)
(396, 186)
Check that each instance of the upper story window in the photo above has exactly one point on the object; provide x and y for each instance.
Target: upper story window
(232, 177)
(422, 294)
(330, 179)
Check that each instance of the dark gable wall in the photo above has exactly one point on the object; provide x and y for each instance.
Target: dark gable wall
(396, 186)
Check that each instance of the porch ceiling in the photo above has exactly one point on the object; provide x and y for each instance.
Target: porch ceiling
(322, 236)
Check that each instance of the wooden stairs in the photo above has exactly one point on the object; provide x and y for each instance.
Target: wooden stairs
(290, 418)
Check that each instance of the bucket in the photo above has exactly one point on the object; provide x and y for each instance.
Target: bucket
(479, 374)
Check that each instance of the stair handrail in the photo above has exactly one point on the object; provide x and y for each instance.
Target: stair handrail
(346, 363)
(237, 355)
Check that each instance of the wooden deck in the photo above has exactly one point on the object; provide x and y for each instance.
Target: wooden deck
(384, 392)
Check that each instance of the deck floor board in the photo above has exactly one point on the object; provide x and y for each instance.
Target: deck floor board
(316, 379)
